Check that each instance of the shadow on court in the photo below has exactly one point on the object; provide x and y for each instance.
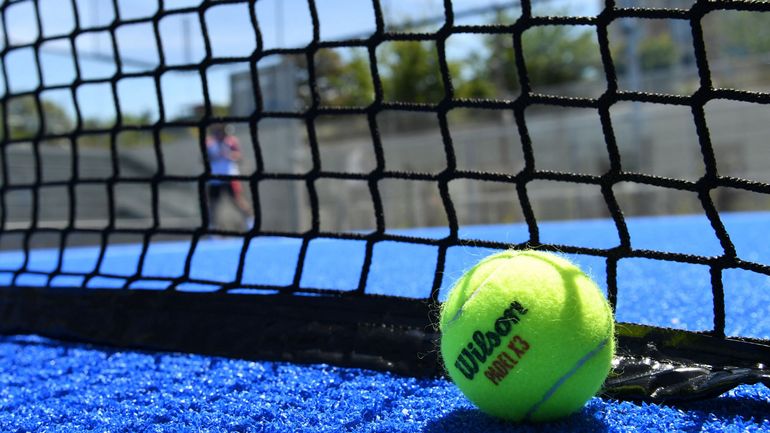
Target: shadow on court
(473, 420)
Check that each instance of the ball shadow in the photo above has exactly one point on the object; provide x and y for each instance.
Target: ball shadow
(473, 420)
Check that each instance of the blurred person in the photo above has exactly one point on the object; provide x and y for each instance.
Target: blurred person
(224, 152)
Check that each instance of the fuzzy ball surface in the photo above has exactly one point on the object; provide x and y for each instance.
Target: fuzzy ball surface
(527, 336)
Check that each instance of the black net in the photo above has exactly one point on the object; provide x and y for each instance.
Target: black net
(504, 113)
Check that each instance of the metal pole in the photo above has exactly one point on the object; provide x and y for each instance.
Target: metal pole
(186, 40)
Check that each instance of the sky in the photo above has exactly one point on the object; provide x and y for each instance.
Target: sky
(283, 23)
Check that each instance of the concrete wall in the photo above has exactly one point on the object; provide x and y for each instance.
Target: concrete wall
(653, 139)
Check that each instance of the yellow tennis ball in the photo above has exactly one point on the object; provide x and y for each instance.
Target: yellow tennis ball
(527, 336)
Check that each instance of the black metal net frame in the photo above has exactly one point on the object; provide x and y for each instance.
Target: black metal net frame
(356, 328)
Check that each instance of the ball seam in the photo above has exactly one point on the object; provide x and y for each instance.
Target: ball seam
(483, 284)
(566, 376)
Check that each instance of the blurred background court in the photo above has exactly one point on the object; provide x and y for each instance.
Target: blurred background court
(652, 56)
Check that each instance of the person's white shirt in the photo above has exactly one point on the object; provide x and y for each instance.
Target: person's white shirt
(220, 156)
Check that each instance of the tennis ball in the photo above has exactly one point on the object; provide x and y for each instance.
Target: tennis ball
(527, 336)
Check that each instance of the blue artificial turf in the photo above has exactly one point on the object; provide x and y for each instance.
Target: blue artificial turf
(57, 387)
(52, 386)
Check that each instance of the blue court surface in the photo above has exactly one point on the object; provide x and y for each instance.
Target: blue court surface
(49, 385)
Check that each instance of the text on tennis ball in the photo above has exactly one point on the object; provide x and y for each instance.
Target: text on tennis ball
(484, 343)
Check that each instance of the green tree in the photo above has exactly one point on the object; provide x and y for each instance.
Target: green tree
(500, 63)
(743, 32)
(216, 111)
(57, 120)
(553, 54)
(655, 52)
(341, 80)
(658, 52)
(24, 121)
(350, 85)
(22, 117)
(474, 88)
(471, 79)
(559, 54)
(410, 72)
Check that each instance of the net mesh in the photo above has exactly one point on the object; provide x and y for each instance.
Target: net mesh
(81, 164)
